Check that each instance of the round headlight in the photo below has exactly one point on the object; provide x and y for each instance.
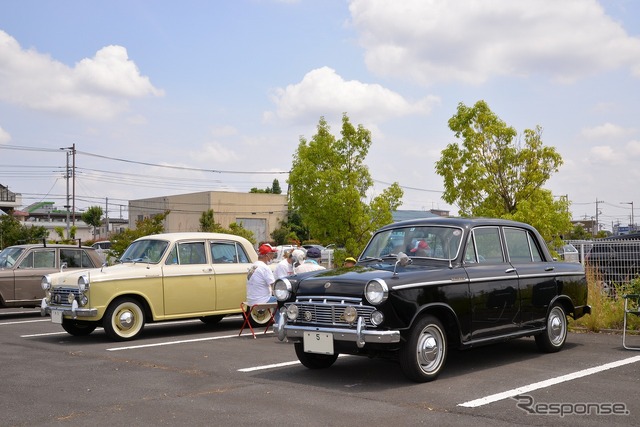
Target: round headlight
(376, 291)
(45, 283)
(292, 312)
(350, 314)
(377, 318)
(83, 283)
(282, 289)
(84, 300)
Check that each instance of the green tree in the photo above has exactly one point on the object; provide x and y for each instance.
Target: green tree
(208, 223)
(578, 233)
(274, 189)
(93, 217)
(62, 231)
(13, 232)
(292, 230)
(493, 174)
(329, 183)
(144, 227)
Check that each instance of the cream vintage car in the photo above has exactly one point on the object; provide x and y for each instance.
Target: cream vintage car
(158, 278)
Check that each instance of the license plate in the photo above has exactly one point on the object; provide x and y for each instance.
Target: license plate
(56, 316)
(318, 342)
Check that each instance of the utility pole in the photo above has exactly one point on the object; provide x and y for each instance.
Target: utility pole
(632, 225)
(106, 214)
(70, 173)
(73, 174)
(597, 226)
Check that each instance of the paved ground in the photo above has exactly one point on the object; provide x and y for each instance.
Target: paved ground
(188, 373)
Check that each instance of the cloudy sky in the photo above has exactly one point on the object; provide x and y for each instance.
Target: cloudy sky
(164, 97)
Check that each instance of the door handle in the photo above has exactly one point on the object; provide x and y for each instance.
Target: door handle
(510, 270)
(549, 269)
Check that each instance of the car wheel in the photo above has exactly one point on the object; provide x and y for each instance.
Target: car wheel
(123, 320)
(314, 360)
(211, 320)
(423, 355)
(260, 317)
(78, 328)
(555, 334)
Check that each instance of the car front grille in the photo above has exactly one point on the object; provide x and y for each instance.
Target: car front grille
(329, 312)
(60, 296)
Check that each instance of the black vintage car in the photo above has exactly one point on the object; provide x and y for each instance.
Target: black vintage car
(423, 286)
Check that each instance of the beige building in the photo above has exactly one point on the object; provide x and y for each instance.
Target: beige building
(258, 212)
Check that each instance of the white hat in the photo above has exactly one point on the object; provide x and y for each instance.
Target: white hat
(298, 256)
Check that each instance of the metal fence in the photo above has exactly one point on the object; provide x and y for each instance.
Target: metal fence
(611, 261)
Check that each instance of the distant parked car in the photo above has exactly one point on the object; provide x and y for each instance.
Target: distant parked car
(22, 268)
(568, 253)
(421, 287)
(615, 260)
(160, 277)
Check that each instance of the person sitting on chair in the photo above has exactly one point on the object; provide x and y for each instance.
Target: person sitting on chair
(260, 278)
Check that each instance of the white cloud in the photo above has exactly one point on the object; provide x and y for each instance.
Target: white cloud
(215, 153)
(4, 136)
(224, 131)
(322, 92)
(633, 148)
(97, 87)
(606, 131)
(474, 40)
(605, 154)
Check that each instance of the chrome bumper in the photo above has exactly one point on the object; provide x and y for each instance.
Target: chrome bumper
(360, 335)
(72, 310)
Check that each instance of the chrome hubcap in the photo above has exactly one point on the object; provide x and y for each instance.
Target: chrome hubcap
(126, 320)
(556, 326)
(429, 350)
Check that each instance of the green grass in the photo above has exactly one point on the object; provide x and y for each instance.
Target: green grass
(607, 312)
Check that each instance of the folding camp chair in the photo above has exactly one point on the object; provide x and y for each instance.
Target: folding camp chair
(631, 307)
(247, 309)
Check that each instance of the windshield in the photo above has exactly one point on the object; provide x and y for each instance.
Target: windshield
(435, 242)
(8, 257)
(150, 251)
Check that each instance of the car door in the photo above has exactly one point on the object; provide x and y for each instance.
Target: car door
(493, 285)
(188, 280)
(28, 274)
(230, 263)
(536, 276)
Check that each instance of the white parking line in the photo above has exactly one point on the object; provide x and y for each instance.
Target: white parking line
(43, 335)
(547, 383)
(24, 321)
(131, 347)
(277, 365)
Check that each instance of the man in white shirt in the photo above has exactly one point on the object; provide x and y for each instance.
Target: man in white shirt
(260, 278)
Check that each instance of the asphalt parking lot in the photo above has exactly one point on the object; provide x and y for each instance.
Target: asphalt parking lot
(188, 373)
